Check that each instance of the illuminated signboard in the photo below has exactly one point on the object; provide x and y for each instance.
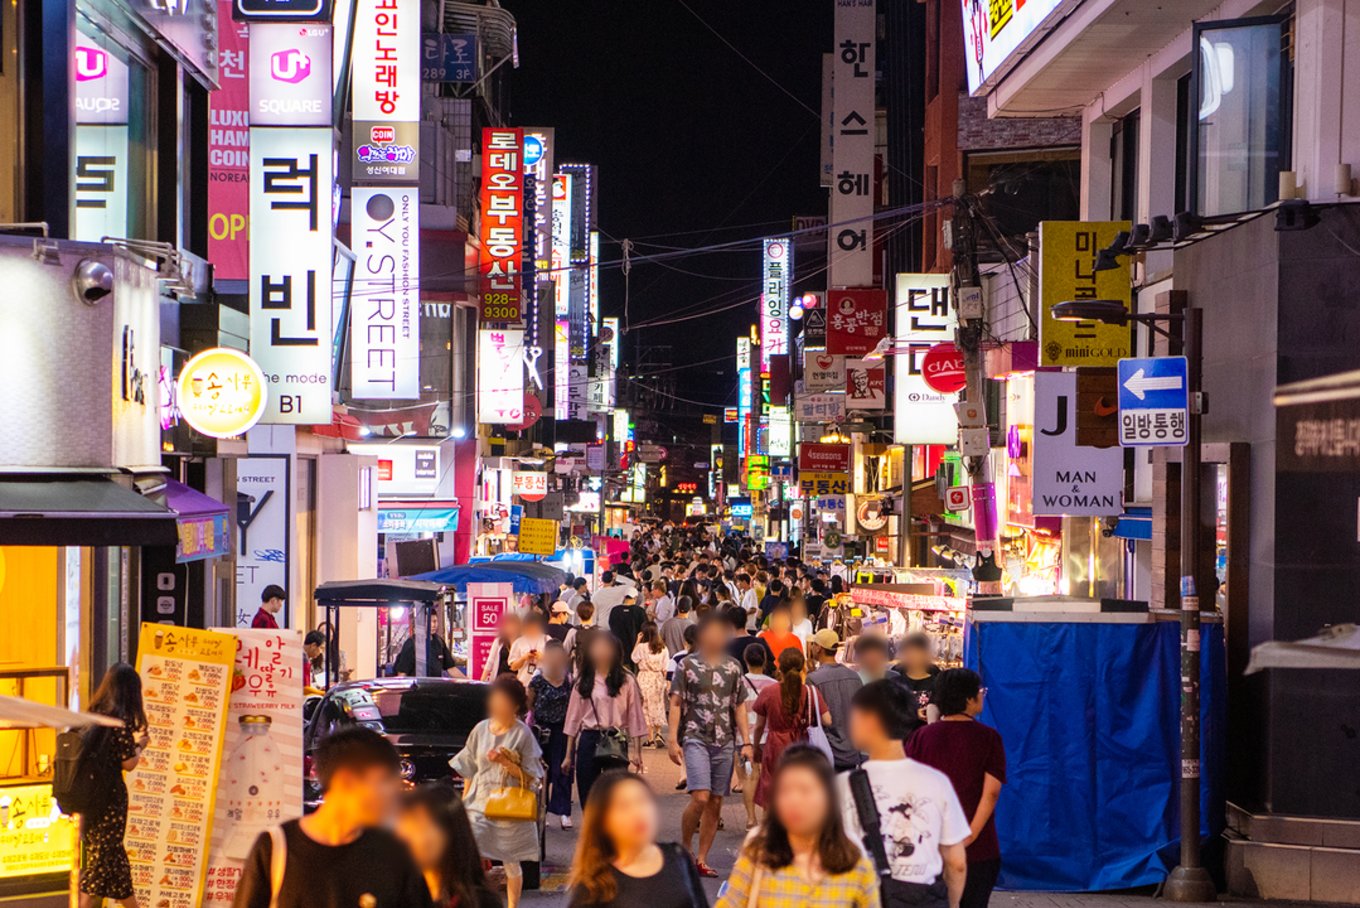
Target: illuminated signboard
(995, 30)
(229, 151)
(500, 376)
(502, 226)
(923, 318)
(221, 392)
(386, 89)
(99, 179)
(290, 75)
(850, 241)
(559, 264)
(35, 836)
(774, 300)
(385, 330)
(744, 391)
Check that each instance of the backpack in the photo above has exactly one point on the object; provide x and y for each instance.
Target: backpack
(79, 781)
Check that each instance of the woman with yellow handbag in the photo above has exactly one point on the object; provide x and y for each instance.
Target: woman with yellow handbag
(502, 768)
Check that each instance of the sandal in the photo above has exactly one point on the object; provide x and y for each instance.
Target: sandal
(705, 870)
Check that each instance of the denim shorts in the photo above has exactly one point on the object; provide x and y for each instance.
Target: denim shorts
(708, 767)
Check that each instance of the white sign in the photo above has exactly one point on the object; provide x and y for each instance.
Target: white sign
(500, 376)
(819, 407)
(850, 235)
(404, 470)
(486, 604)
(774, 300)
(385, 324)
(560, 265)
(923, 317)
(781, 432)
(387, 60)
(290, 74)
(823, 371)
(291, 327)
(531, 485)
(1070, 480)
(994, 30)
(262, 516)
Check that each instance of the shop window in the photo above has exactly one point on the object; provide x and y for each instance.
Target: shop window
(1023, 188)
(1240, 141)
(1124, 168)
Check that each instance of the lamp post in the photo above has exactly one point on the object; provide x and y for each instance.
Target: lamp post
(1189, 882)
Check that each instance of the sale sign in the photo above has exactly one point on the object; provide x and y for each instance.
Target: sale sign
(487, 602)
(502, 226)
(856, 320)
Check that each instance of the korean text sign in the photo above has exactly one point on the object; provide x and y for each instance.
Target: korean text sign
(502, 226)
(923, 317)
(856, 320)
(774, 300)
(850, 253)
(538, 536)
(1067, 259)
(229, 151)
(385, 355)
(386, 88)
(500, 376)
(816, 457)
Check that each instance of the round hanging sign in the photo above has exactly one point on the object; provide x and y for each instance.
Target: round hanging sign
(943, 369)
(222, 392)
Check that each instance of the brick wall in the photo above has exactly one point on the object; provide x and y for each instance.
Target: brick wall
(978, 133)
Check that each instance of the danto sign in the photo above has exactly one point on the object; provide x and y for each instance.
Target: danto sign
(290, 75)
(1067, 271)
(924, 320)
(850, 237)
(530, 485)
(221, 392)
(774, 300)
(385, 329)
(823, 458)
(502, 226)
(229, 151)
(386, 89)
(500, 376)
(994, 30)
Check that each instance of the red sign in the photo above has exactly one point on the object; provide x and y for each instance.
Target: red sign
(229, 151)
(823, 458)
(943, 368)
(533, 411)
(384, 471)
(856, 320)
(729, 414)
(502, 226)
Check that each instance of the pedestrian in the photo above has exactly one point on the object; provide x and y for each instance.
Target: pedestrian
(801, 856)
(837, 684)
(498, 658)
(872, 658)
(578, 639)
(341, 855)
(527, 650)
(271, 603)
(673, 630)
(559, 621)
(800, 623)
(501, 753)
(549, 693)
(608, 597)
(740, 637)
(580, 587)
(773, 598)
(779, 636)
(651, 658)
(605, 721)
(625, 622)
(105, 872)
(438, 660)
(707, 727)
(748, 771)
(691, 637)
(916, 672)
(433, 824)
(785, 711)
(747, 598)
(904, 812)
(972, 756)
(618, 862)
(314, 660)
(663, 604)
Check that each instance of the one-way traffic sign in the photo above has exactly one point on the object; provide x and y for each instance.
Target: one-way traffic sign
(1154, 401)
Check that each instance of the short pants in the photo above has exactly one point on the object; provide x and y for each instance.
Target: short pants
(708, 767)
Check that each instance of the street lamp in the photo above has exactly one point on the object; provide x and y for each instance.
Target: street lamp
(1189, 882)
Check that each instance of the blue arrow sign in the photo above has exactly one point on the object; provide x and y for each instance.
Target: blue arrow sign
(1154, 401)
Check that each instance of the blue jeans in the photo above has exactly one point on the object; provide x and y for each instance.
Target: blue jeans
(557, 786)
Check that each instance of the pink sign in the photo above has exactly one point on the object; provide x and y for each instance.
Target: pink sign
(229, 151)
(486, 603)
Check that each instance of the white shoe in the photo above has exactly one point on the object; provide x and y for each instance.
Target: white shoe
(566, 822)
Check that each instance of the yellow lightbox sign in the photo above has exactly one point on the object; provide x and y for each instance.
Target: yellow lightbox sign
(222, 392)
(35, 836)
(1067, 257)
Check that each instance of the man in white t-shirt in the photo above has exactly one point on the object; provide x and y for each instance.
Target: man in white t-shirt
(921, 825)
(608, 597)
(748, 601)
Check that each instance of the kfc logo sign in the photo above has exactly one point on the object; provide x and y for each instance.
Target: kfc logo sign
(291, 66)
(91, 63)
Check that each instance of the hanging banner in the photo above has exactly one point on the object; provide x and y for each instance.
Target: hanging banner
(257, 784)
(856, 320)
(774, 300)
(923, 318)
(850, 251)
(502, 226)
(229, 151)
(1067, 258)
(500, 376)
(186, 678)
(486, 603)
(386, 89)
(1068, 479)
(385, 320)
(866, 385)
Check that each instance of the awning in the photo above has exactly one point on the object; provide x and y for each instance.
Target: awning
(48, 510)
(1336, 647)
(417, 517)
(374, 593)
(204, 523)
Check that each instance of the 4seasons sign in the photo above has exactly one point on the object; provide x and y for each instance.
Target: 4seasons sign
(502, 226)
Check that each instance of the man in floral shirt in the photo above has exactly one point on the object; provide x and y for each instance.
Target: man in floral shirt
(706, 718)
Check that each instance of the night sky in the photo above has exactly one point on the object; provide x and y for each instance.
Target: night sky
(694, 147)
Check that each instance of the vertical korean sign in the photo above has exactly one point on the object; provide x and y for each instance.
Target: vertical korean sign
(500, 376)
(186, 677)
(229, 151)
(487, 602)
(851, 233)
(291, 183)
(924, 318)
(502, 226)
(1067, 260)
(386, 89)
(257, 786)
(774, 300)
(560, 268)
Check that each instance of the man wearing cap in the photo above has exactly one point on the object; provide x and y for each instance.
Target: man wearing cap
(559, 621)
(271, 603)
(837, 684)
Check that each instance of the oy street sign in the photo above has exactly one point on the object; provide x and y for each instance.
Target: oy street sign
(1154, 402)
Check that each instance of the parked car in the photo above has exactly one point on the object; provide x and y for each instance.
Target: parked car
(428, 720)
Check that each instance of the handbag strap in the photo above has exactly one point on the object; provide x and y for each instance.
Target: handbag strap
(278, 863)
(866, 808)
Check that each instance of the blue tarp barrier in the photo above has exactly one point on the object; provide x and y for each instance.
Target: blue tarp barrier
(527, 576)
(1090, 717)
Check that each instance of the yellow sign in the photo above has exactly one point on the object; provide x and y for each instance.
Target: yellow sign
(537, 536)
(35, 836)
(222, 392)
(1067, 257)
(811, 485)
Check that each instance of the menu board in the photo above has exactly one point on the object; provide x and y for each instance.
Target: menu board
(486, 603)
(35, 836)
(186, 676)
(259, 784)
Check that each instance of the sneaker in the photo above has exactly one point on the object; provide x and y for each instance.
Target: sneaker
(680, 786)
(566, 822)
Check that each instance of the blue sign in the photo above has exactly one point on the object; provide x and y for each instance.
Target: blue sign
(1154, 402)
(516, 515)
(448, 58)
(417, 520)
(741, 508)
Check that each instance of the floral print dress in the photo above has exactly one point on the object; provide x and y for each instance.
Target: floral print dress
(651, 676)
(105, 870)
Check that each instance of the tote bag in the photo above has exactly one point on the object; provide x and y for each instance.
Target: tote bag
(815, 732)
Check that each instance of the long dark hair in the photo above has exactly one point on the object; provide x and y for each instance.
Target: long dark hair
(592, 878)
(461, 875)
(651, 635)
(770, 846)
(120, 695)
(613, 681)
(791, 664)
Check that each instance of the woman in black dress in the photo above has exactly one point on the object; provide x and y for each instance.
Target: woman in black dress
(105, 872)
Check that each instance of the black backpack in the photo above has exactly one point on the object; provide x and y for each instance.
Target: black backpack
(79, 774)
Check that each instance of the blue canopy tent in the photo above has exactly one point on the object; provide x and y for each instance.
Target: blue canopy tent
(579, 562)
(527, 576)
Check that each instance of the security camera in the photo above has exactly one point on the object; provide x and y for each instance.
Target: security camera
(92, 281)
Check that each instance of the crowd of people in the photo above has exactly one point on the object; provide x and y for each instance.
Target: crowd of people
(866, 781)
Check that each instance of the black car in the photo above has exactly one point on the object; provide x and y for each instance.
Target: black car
(428, 720)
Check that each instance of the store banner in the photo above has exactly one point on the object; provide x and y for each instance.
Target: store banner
(1067, 259)
(486, 603)
(229, 151)
(850, 247)
(385, 319)
(774, 299)
(186, 680)
(823, 371)
(36, 838)
(538, 536)
(1070, 480)
(856, 320)
(818, 484)
(290, 74)
(823, 457)
(291, 326)
(386, 89)
(923, 318)
(866, 385)
(500, 376)
(819, 408)
(539, 145)
(263, 513)
(502, 226)
(257, 785)
(532, 485)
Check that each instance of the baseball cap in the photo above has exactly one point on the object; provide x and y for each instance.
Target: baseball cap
(561, 608)
(827, 639)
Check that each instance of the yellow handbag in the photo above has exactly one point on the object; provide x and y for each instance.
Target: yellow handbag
(512, 802)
